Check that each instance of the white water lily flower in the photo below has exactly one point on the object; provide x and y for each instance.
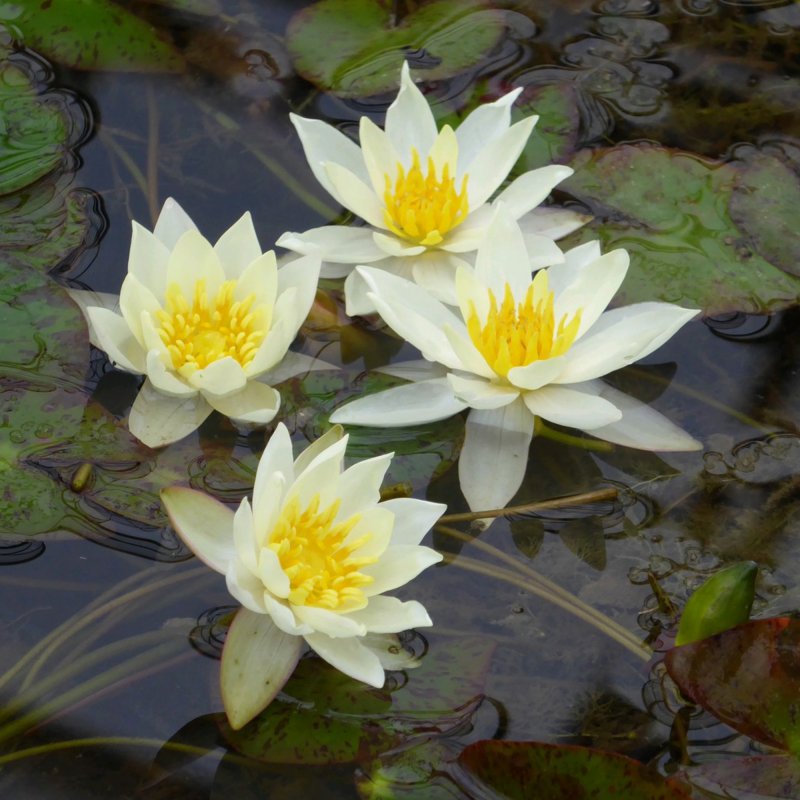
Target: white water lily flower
(521, 348)
(209, 326)
(310, 559)
(425, 193)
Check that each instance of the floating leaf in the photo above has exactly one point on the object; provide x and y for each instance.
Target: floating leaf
(365, 47)
(91, 34)
(722, 602)
(749, 677)
(325, 717)
(670, 210)
(554, 772)
(756, 778)
(555, 137)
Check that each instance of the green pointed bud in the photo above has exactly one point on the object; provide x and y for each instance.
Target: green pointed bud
(722, 602)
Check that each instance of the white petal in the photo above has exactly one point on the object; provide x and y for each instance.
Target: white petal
(360, 485)
(257, 660)
(245, 587)
(390, 615)
(284, 617)
(268, 495)
(444, 152)
(204, 524)
(642, 427)
(552, 221)
(238, 247)
(291, 365)
(157, 419)
(346, 244)
(531, 188)
(256, 403)
(148, 259)
(322, 144)
(220, 378)
(172, 223)
(350, 657)
(111, 333)
(282, 333)
(487, 122)
(542, 251)
(502, 258)
(193, 259)
(592, 288)
(435, 271)
(491, 166)
(477, 393)
(418, 370)
(86, 299)
(494, 457)
(392, 245)
(136, 299)
(413, 404)
(537, 374)
(372, 532)
(620, 337)
(575, 262)
(357, 290)
(302, 275)
(571, 407)
(356, 195)
(259, 279)
(337, 626)
(164, 379)
(244, 540)
(271, 573)
(413, 518)
(316, 448)
(379, 155)
(320, 477)
(409, 120)
(398, 566)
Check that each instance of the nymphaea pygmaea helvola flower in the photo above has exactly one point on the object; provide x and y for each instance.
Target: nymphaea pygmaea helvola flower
(209, 326)
(521, 347)
(425, 193)
(309, 559)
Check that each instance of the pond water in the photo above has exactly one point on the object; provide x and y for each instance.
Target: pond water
(680, 120)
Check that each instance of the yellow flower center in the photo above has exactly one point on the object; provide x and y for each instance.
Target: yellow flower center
(207, 329)
(422, 207)
(517, 335)
(318, 559)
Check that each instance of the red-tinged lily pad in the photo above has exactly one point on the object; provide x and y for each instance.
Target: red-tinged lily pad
(672, 211)
(522, 770)
(365, 46)
(324, 717)
(92, 35)
(748, 676)
(756, 778)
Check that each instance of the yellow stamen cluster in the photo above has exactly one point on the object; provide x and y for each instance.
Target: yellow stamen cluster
(209, 329)
(420, 206)
(517, 335)
(318, 559)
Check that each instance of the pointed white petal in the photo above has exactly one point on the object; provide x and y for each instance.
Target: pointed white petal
(259, 279)
(245, 586)
(399, 565)
(238, 247)
(502, 258)
(271, 574)
(302, 275)
(542, 251)
(193, 259)
(484, 124)
(413, 518)
(409, 120)
(552, 221)
(204, 524)
(571, 407)
(350, 657)
(379, 154)
(268, 495)
(320, 477)
(244, 540)
(356, 195)
(357, 290)
(642, 427)
(220, 378)
(318, 446)
(392, 245)
(164, 379)
(494, 457)
(491, 166)
(373, 530)
(337, 626)
(531, 188)
(172, 223)
(284, 617)
(111, 333)
(413, 404)
(136, 299)
(620, 337)
(418, 370)
(537, 374)
(323, 144)
(256, 403)
(435, 271)
(477, 393)
(390, 615)
(257, 660)
(86, 299)
(156, 419)
(335, 244)
(360, 485)
(147, 259)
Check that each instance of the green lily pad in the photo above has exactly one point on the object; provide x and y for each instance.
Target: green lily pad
(672, 211)
(92, 35)
(325, 717)
(555, 137)
(365, 48)
(748, 676)
(520, 770)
